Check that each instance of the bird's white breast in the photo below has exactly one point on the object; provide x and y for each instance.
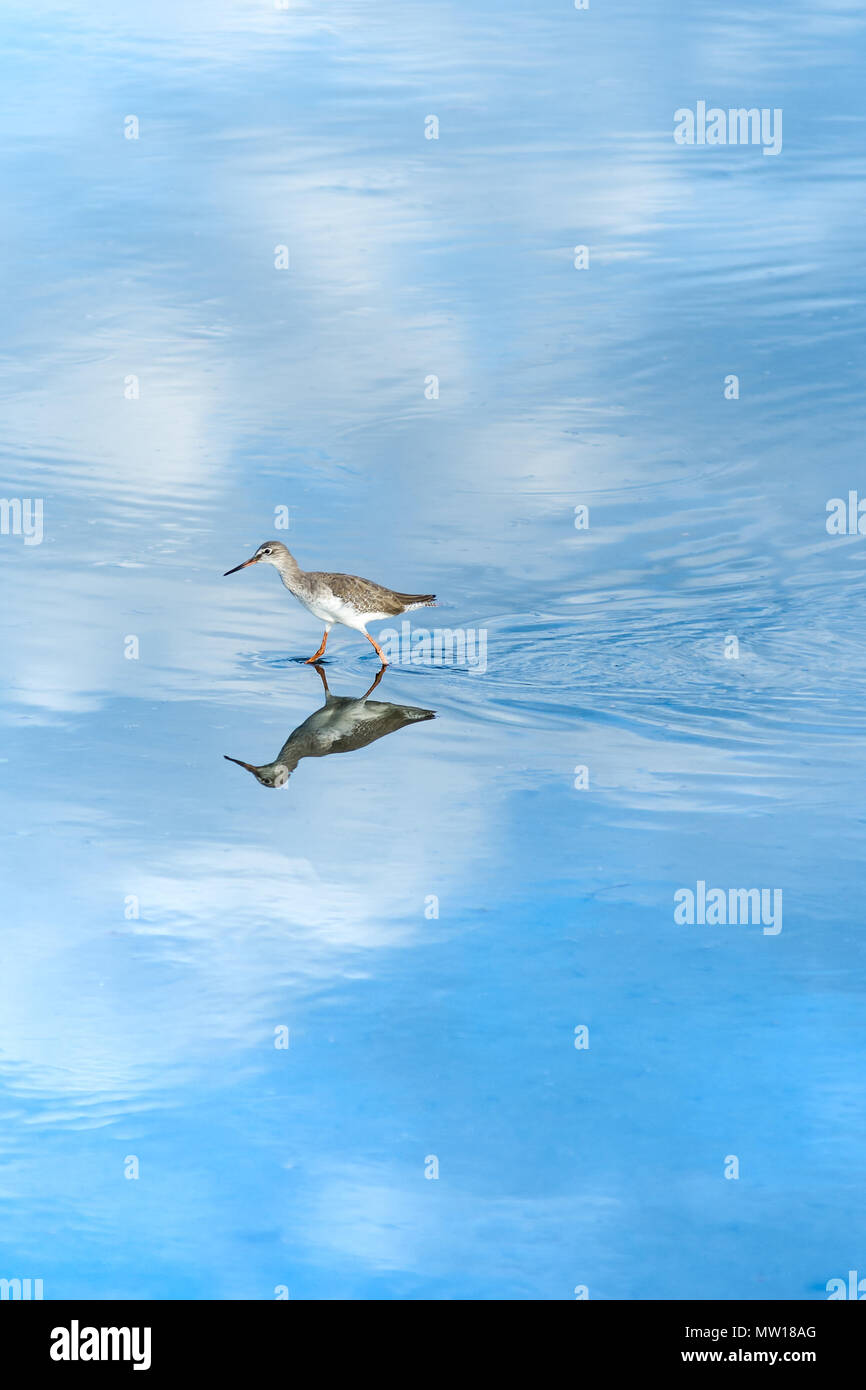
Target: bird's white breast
(328, 608)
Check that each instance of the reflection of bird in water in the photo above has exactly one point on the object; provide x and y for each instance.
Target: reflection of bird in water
(341, 725)
(337, 598)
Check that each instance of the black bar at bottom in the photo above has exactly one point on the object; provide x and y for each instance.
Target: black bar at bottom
(221, 1339)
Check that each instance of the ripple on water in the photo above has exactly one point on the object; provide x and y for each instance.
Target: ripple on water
(674, 678)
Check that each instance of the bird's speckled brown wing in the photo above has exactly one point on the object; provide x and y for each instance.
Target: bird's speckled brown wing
(365, 596)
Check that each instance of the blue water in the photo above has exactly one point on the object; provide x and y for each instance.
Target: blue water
(165, 915)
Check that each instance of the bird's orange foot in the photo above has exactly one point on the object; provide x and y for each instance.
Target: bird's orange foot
(319, 653)
(381, 655)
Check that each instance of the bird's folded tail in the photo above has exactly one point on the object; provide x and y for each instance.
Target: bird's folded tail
(411, 601)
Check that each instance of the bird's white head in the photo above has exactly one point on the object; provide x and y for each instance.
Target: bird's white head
(269, 553)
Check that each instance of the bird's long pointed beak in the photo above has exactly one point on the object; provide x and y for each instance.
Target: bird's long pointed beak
(249, 767)
(240, 567)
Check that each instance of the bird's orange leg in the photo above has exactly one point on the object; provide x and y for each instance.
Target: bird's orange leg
(319, 653)
(380, 653)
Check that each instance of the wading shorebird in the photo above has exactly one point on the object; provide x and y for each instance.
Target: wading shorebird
(342, 724)
(336, 598)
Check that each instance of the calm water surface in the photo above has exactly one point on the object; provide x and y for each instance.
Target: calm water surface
(307, 906)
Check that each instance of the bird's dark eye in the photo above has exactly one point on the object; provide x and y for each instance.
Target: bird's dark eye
(266, 552)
